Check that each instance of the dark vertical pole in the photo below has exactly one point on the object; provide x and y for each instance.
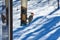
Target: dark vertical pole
(58, 4)
(10, 19)
(23, 12)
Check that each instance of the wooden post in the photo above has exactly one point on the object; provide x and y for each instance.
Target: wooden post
(23, 12)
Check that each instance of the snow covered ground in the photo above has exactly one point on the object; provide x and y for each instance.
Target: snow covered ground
(35, 7)
(45, 24)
